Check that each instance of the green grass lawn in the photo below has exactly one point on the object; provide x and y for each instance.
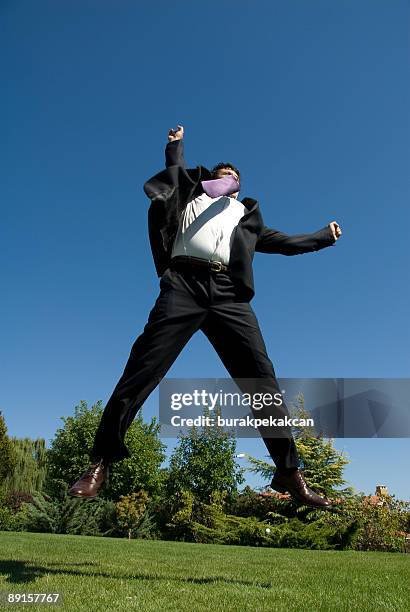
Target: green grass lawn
(114, 574)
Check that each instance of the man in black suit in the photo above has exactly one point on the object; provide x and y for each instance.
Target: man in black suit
(203, 239)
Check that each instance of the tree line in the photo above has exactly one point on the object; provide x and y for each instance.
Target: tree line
(198, 496)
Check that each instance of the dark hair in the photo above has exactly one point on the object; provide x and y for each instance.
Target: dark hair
(225, 165)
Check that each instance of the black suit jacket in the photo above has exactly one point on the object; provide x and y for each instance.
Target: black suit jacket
(171, 189)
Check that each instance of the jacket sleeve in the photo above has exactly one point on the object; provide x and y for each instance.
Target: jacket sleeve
(175, 177)
(174, 154)
(273, 241)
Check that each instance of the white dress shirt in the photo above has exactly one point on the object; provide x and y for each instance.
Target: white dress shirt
(206, 227)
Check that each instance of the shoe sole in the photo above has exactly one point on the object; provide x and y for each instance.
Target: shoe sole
(281, 489)
(82, 496)
(278, 488)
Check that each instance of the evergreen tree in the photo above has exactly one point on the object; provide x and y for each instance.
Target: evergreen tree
(321, 463)
(130, 510)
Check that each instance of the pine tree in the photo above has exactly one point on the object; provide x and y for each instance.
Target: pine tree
(321, 463)
(130, 510)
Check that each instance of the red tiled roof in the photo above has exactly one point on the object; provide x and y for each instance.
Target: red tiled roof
(275, 494)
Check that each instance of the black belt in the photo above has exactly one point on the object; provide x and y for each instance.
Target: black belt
(214, 266)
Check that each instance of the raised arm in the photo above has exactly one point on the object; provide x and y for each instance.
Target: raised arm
(274, 241)
(174, 151)
(175, 176)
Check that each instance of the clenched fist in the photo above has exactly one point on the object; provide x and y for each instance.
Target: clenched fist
(336, 231)
(177, 134)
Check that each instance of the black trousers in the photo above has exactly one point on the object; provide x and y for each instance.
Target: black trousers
(191, 299)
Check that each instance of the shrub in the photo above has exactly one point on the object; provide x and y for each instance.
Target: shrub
(132, 516)
(371, 526)
(66, 515)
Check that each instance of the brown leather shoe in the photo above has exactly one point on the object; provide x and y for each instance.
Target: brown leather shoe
(294, 483)
(91, 481)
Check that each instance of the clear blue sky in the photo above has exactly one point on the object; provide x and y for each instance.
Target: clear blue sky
(309, 99)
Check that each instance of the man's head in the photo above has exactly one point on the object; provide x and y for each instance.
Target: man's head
(224, 168)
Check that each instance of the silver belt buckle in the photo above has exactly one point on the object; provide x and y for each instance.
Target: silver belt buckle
(216, 266)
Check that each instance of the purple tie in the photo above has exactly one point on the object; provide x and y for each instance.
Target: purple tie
(221, 186)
